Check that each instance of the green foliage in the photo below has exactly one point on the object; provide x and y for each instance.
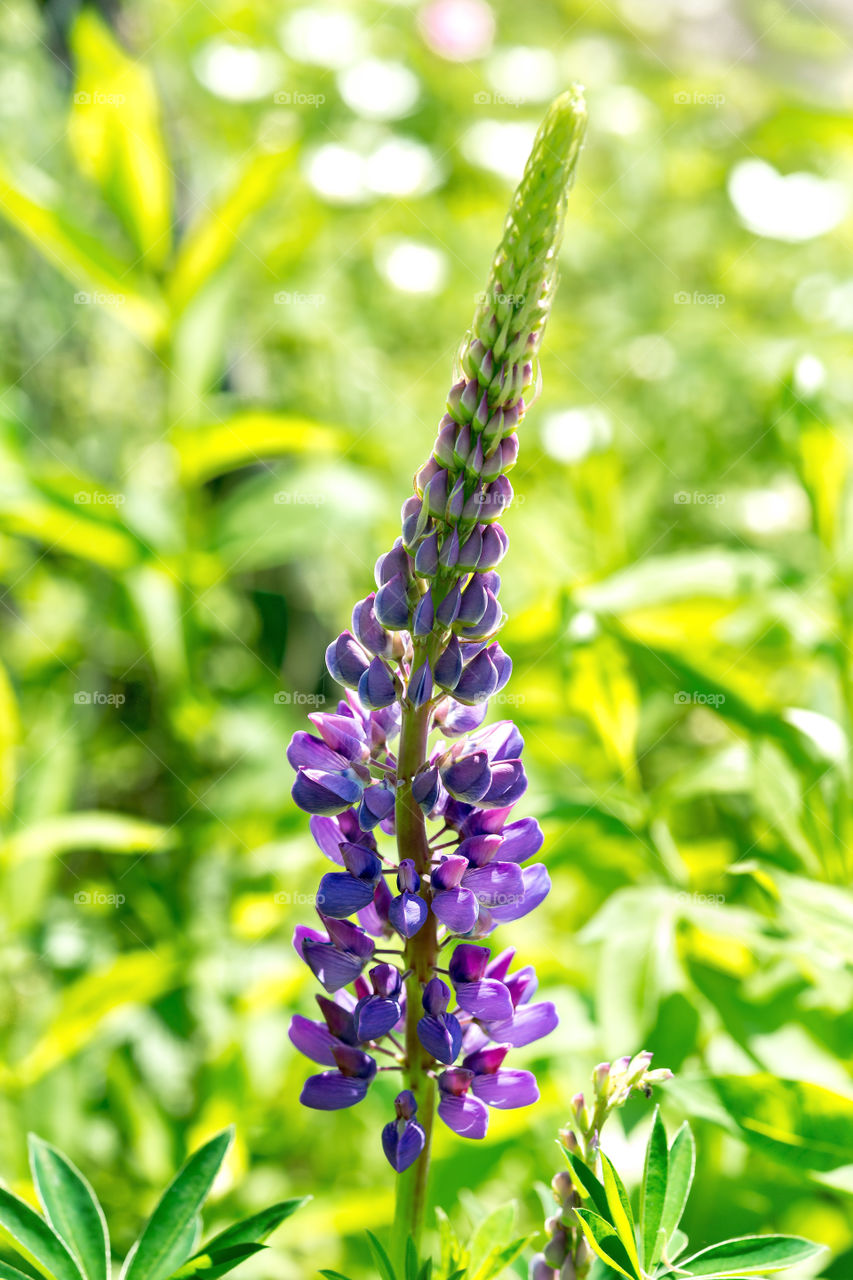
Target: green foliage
(653, 1247)
(71, 1241)
(682, 669)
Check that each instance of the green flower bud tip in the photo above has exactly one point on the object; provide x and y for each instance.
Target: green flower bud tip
(515, 305)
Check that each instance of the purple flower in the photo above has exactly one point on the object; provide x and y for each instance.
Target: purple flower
(439, 1031)
(461, 1111)
(482, 997)
(408, 911)
(496, 1087)
(403, 1139)
(334, 1090)
(337, 959)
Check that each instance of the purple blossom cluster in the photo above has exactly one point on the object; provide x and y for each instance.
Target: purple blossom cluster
(407, 755)
(480, 872)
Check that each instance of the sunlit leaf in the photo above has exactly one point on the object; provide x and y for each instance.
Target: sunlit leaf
(115, 134)
(80, 256)
(653, 1195)
(162, 1245)
(750, 1256)
(106, 832)
(71, 1208)
(249, 438)
(35, 1238)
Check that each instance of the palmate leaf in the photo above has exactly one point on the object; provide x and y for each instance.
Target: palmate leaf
(653, 1196)
(749, 1256)
(71, 1208)
(604, 1242)
(162, 1246)
(36, 1239)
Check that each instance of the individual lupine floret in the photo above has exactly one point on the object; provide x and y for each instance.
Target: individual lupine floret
(403, 1139)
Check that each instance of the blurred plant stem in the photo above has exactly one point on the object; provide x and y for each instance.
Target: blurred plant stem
(420, 958)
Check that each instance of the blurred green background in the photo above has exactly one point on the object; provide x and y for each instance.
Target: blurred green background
(239, 246)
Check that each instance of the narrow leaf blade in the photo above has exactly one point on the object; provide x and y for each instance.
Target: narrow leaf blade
(604, 1242)
(71, 1208)
(258, 1227)
(682, 1162)
(162, 1247)
(750, 1256)
(383, 1262)
(655, 1176)
(35, 1238)
(620, 1210)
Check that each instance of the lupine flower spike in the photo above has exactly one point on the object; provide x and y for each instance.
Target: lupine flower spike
(406, 755)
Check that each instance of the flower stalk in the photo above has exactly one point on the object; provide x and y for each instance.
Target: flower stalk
(406, 754)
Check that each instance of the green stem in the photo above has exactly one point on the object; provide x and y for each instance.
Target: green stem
(420, 957)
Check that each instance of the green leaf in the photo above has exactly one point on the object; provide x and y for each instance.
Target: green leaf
(334, 1275)
(790, 1118)
(681, 1165)
(162, 1245)
(10, 727)
(211, 1263)
(620, 1210)
(258, 1227)
(604, 1242)
(426, 1270)
(248, 438)
(383, 1262)
(213, 239)
(134, 977)
(750, 1255)
(106, 832)
(653, 1195)
(115, 134)
(83, 260)
(500, 1258)
(411, 1260)
(588, 1185)
(35, 1238)
(493, 1232)
(71, 1208)
(8, 1272)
